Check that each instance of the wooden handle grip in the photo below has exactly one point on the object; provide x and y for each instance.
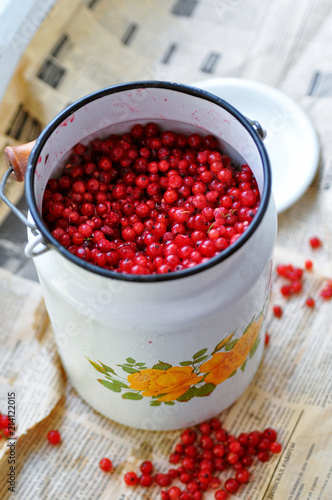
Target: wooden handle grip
(17, 158)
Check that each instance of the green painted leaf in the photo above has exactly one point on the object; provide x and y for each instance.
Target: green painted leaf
(243, 365)
(169, 403)
(249, 325)
(107, 368)
(225, 341)
(186, 363)
(158, 396)
(162, 366)
(130, 360)
(232, 374)
(205, 390)
(96, 366)
(110, 385)
(155, 403)
(127, 369)
(231, 345)
(134, 396)
(199, 353)
(199, 360)
(139, 364)
(254, 347)
(118, 383)
(189, 394)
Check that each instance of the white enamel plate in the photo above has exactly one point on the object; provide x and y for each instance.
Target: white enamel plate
(291, 140)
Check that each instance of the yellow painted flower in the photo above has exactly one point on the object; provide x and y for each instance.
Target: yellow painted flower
(223, 364)
(172, 382)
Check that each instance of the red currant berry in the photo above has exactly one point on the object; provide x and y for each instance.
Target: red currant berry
(174, 493)
(242, 476)
(146, 480)
(188, 436)
(315, 242)
(270, 434)
(310, 302)
(275, 447)
(221, 495)
(146, 467)
(232, 485)
(106, 465)
(54, 437)
(131, 478)
(277, 311)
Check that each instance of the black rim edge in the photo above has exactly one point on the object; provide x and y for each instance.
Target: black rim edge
(152, 278)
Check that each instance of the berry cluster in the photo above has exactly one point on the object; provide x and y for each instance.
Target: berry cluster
(201, 456)
(5, 426)
(294, 277)
(149, 201)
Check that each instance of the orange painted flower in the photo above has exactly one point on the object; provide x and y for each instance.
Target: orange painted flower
(223, 364)
(172, 382)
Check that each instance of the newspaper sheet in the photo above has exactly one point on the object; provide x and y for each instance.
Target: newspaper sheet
(31, 377)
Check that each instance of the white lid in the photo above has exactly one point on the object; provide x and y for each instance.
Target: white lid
(291, 140)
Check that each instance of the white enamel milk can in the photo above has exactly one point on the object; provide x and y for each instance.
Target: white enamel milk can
(159, 351)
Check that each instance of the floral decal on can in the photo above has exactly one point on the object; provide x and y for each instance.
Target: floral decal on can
(198, 377)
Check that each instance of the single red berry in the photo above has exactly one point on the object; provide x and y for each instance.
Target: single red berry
(190, 450)
(188, 436)
(193, 486)
(242, 476)
(221, 495)
(326, 292)
(263, 456)
(246, 460)
(146, 480)
(106, 465)
(146, 467)
(131, 478)
(308, 265)
(189, 463)
(174, 458)
(54, 437)
(267, 339)
(232, 458)
(236, 447)
(4, 421)
(254, 438)
(215, 423)
(270, 434)
(206, 442)
(221, 435)
(315, 242)
(204, 477)
(310, 302)
(163, 479)
(275, 447)
(174, 493)
(277, 311)
(7, 432)
(185, 477)
(205, 428)
(232, 485)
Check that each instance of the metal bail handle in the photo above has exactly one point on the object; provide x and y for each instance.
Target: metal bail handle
(29, 249)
